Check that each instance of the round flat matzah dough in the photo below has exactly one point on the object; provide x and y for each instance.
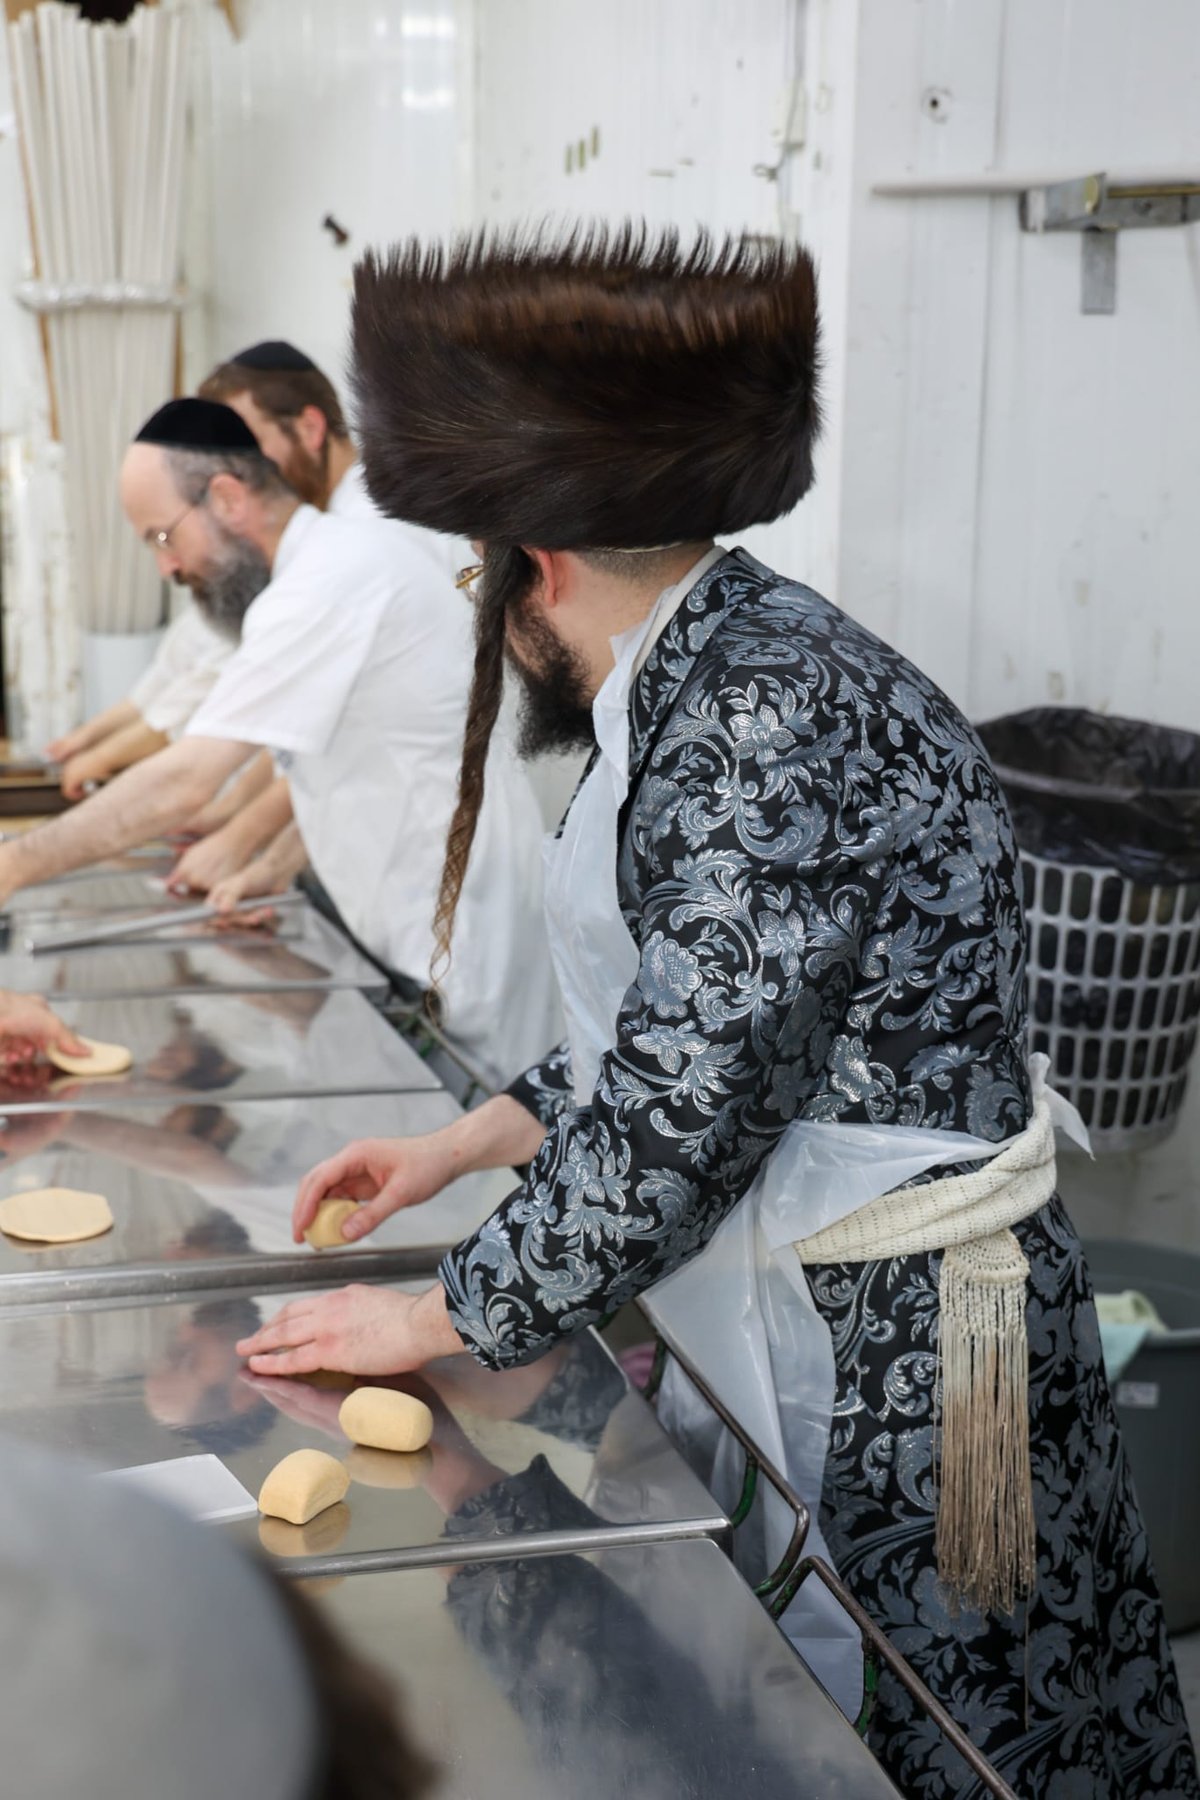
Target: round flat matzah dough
(55, 1215)
(101, 1059)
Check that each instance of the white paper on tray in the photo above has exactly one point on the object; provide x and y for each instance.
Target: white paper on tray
(198, 1485)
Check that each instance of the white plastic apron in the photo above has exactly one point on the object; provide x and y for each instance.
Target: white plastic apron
(741, 1310)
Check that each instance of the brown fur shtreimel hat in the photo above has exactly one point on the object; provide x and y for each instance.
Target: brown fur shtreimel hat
(607, 390)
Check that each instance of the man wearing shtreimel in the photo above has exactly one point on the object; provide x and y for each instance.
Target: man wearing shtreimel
(784, 908)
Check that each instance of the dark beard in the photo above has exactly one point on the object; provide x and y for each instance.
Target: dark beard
(554, 712)
(233, 581)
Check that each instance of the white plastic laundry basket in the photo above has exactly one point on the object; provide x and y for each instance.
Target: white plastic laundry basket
(1114, 995)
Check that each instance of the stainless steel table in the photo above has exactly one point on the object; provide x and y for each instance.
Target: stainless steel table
(223, 1047)
(307, 952)
(646, 1671)
(559, 1454)
(110, 888)
(164, 920)
(146, 859)
(202, 1196)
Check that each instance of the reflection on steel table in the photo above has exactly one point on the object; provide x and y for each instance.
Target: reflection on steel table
(223, 1047)
(306, 951)
(202, 1190)
(563, 1452)
(648, 1671)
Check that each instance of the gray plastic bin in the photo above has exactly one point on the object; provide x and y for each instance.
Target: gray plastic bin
(1158, 1404)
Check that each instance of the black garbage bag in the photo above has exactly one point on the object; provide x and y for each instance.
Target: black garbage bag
(1085, 788)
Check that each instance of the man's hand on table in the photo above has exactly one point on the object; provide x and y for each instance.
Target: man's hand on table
(60, 749)
(205, 864)
(28, 1028)
(81, 772)
(361, 1330)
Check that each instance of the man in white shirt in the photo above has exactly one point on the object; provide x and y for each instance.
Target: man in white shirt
(185, 667)
(296, 416)
(352, 665)
(294, 411)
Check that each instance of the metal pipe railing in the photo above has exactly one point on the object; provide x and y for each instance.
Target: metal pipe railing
(782, 1585)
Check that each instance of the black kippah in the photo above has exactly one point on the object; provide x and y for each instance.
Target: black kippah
(273, 354)
(197, 425)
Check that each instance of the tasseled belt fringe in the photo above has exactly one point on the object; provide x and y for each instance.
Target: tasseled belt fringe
(986, 1550)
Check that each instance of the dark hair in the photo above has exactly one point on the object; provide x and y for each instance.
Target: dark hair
(508, 574)
(365, 1752)
(282, 394)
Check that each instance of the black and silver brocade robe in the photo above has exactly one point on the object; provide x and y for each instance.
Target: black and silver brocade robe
(817, 867)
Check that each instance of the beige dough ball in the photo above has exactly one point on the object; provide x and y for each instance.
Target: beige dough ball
(325, 1232)
(101, 1059)
(388, 1468)
(302, 1485)
(386, 1419)
(318, 1538)
(55, 1215)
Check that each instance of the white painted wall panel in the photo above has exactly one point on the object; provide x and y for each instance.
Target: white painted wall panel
(679, 95)
(359, 108)
(1016, 491)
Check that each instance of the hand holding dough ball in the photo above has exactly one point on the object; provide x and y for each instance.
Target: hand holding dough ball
(302, 1485)
(325, 1232)
(385, 1419)
(55, 1215)
(101, 1059)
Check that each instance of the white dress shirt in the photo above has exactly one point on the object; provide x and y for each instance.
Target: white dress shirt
(353, 668)
(350, 500)
(183, 673)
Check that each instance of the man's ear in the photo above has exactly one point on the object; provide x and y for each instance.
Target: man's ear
(553, 567)
(227, 498)
(311, 428)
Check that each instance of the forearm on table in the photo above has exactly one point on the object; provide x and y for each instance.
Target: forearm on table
(285, 855)
(258, 774)
(500, 1134)
(132, 744)
(140, 803)
(259, 825)
(113, 719)
(433, 1326)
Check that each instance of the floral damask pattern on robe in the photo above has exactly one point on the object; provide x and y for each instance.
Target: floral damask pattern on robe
(819, 874)
(818, 871)
(1074, 1698)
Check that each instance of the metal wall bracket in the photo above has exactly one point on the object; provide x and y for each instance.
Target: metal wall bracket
(1099, 210)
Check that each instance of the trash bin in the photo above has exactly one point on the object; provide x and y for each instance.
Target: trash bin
(1158, 1404)
(1107, 816)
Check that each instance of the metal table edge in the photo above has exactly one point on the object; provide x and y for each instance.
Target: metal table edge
(380, 987)
(107, 1098)
(179, 1281)
(514, 1548)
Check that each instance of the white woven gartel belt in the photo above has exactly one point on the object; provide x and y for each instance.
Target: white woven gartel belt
(985, 1526)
